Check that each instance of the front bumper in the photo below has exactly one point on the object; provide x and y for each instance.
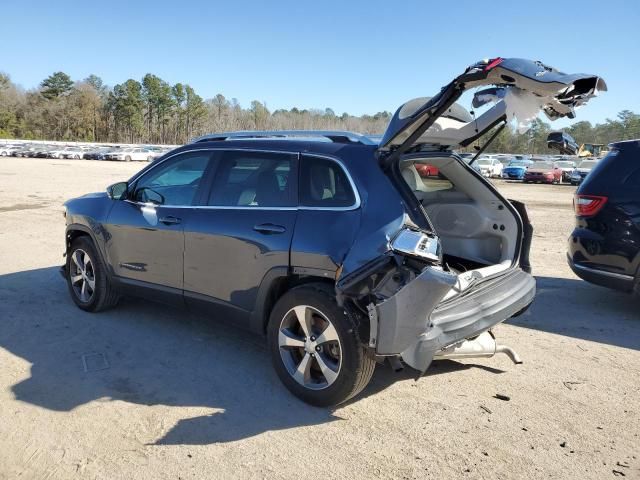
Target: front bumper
(538, 179)
(408, 325)
(513, 175)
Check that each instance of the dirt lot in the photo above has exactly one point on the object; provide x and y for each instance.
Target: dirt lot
(148, 392)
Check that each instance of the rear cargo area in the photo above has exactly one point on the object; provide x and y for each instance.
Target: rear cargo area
(479, 230)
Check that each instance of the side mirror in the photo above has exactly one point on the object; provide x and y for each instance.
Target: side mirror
(118, 191)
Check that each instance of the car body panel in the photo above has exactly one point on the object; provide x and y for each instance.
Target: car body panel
(143, 248)
(225, 258)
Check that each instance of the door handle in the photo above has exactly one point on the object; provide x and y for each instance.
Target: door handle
(269, 228)
(170, 220)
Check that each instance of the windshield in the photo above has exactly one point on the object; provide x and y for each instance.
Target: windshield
(484, 161)
(588, 164)
(518, 164)
(565, 164)
(543, 166)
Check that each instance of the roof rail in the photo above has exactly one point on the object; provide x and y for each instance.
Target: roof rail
(336, 136)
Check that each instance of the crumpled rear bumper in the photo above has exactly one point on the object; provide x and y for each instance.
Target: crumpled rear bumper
(408, 326)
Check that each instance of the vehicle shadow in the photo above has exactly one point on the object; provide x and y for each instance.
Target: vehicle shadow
(578, 309)
(151, 354)
(146, 354)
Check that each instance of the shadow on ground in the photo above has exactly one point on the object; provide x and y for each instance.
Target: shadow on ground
(150, 354)
(574, 308)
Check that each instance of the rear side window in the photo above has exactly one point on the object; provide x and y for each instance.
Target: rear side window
(253, 179)
(616, 173)
(324, 183)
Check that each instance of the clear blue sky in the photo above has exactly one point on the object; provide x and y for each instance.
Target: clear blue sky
(359, 57)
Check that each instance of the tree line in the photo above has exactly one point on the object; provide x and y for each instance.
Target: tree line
(154, 111)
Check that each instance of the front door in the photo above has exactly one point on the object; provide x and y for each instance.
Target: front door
(146, 232)
(243, 231)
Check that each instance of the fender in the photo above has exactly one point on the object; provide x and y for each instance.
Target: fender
(78, 227)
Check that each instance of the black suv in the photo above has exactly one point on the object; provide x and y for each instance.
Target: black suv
(331, 243)
(604, 247)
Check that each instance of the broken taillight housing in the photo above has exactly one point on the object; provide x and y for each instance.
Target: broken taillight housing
(588, 205)
(417, 244)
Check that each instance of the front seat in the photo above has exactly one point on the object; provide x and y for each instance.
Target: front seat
(268, 193)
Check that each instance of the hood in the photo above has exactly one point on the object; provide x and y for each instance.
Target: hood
(522, 89)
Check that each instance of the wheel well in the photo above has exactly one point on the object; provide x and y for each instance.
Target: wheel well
(282, 285)
(73, 234)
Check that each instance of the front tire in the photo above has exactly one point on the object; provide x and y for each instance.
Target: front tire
(315, 348)
(87, 279)
(127, 158)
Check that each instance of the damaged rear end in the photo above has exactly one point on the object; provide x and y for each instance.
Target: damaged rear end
(457, 261)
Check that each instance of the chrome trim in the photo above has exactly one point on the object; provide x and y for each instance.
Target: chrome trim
(356, 193)
(276, 134)
(210, 207)
(619, 276)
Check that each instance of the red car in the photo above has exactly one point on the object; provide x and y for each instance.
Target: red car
(543, 172)
(426, 170)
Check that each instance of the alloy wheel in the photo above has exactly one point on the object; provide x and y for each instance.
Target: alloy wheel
(309, 347)
(82, 275)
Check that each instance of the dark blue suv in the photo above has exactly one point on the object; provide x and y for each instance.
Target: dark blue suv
(331, 243)
(604, 247)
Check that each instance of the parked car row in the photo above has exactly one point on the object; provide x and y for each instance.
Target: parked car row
(104, 152)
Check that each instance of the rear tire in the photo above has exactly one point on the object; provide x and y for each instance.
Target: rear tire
(87, 278)
(127, 158)
(323, 362)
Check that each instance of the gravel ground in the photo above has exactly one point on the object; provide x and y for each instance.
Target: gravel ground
(144, 391)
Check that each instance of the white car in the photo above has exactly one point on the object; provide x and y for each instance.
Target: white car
(7, 150)
(129, 154)
(73, 152)
(488, 166)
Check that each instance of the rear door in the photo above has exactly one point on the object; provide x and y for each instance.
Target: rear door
(242, 230)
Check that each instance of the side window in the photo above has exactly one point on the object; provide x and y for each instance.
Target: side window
(174, 182)
(323, 183)
(423, 178)
(254, 179)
